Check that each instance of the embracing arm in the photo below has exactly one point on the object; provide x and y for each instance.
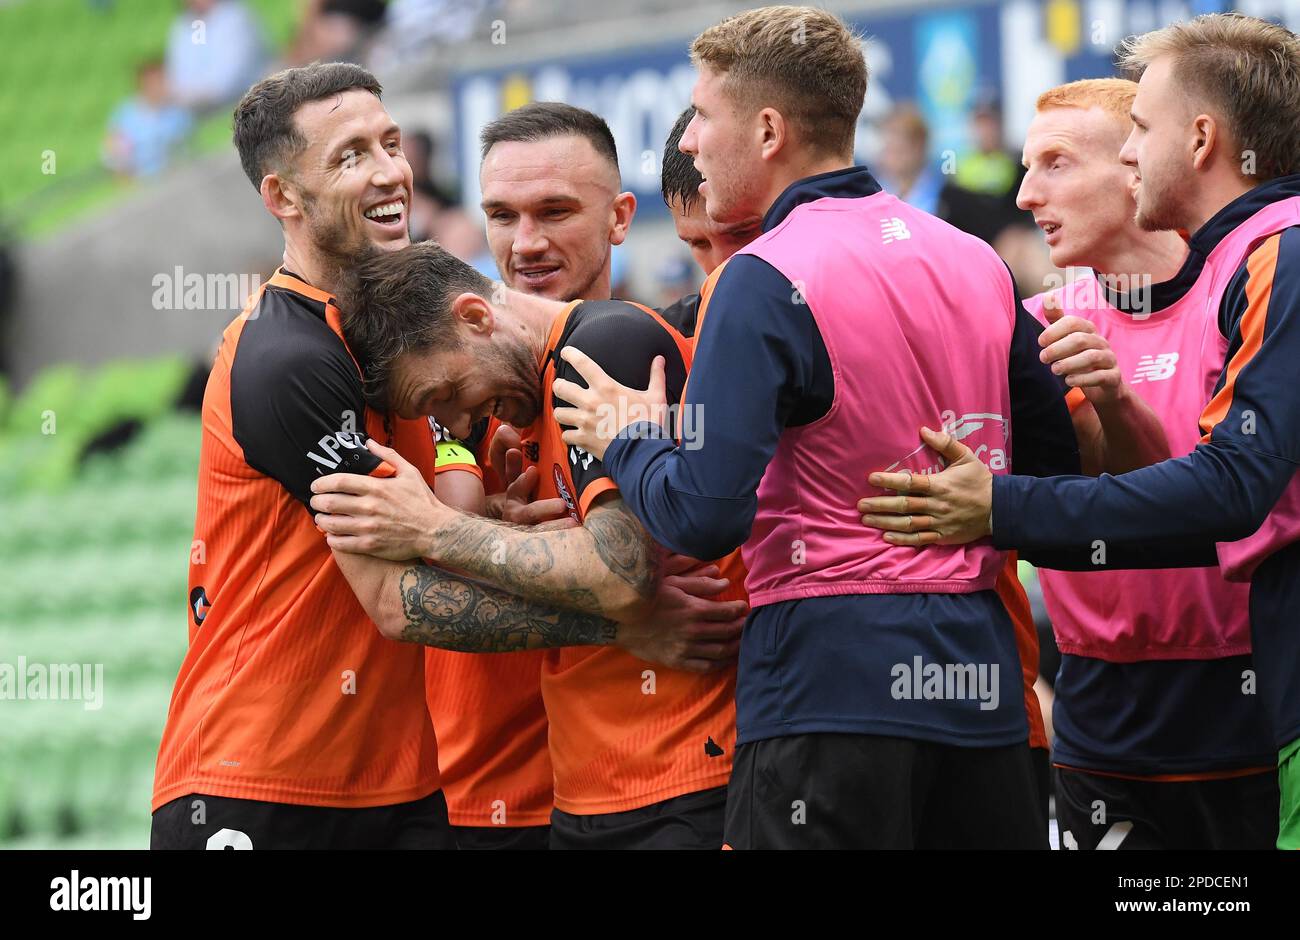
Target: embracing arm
(418, 603)
(607, 566)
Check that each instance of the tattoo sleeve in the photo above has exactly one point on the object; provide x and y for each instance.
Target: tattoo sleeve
(455, 613)
(578, 568)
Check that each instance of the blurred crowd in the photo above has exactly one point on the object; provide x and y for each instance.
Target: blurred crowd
(215, 49)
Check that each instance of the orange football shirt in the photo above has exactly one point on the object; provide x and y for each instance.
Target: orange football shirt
(287, 692)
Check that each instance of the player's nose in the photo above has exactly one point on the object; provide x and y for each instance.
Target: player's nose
(1028, 196)
(530, 238)
(389, 171)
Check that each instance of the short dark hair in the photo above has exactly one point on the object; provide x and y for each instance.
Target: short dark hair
(680, 180)
(543, 120)
(397, 302)
(265, 133)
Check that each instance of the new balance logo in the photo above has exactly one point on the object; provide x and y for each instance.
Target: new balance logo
(893, 230)
(1155, 368)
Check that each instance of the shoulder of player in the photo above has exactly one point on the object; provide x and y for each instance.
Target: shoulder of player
(609, 328)
(287, 331)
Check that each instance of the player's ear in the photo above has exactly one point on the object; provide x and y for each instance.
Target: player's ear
(772, 132)
(280, 197)
(622, 211)
(1205, 134)
(474, 312)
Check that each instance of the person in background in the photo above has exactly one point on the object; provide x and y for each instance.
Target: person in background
(215, 50)
(146, 129)
(904, 163)
(980, 197)
(335, 30)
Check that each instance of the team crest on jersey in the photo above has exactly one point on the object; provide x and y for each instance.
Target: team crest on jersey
(563, 490)
(199, 605)
(1155, 368)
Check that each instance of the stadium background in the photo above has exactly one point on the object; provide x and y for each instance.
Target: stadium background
(116, 280)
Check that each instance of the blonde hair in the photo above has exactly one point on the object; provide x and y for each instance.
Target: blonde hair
(1246, 68)
(800, 60)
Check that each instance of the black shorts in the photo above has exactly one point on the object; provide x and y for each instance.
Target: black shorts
(691, 821)
(218, 822)
(1099, 812)
(858, 791)
(502, 838)
(1040, 761)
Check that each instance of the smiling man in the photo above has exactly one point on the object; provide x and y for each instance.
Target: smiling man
(1214, 145)
(553, 199)
(1150, 715)
(641, 753)
(294, 723)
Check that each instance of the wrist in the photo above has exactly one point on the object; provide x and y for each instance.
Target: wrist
(1106, 399)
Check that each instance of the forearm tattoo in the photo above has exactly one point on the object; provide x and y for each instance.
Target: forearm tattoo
(525, 560)
(456, 613)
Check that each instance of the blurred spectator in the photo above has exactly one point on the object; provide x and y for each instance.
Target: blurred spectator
(989, 168)
(147, 128)
(337, 30)
(435, 214)
(904, 165)
(414, 25)
(215, 50)
(981, 197)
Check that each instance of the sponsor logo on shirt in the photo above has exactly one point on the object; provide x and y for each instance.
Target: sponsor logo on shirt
(563, 490)
(332, 444)
(1155, 368)
(893, 230)
(961, 428)
(199, 605)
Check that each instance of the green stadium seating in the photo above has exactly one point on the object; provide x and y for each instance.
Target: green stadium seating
(94, 555)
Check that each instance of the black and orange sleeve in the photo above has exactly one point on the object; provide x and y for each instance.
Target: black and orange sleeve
(623, 339)
(298, 410)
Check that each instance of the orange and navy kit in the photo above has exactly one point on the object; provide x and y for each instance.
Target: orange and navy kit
(624, 732)
(288, 693)
(487, 707)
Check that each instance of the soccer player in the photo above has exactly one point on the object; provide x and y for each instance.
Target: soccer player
(712, 244)
(293, 723)
(641, 753)
(858, 716)
(554, 209)
(1214, 146)
(1155, 716)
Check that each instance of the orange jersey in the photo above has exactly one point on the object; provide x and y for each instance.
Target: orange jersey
(492, 731)
(491, 721)
(288, 693)
(625, 732)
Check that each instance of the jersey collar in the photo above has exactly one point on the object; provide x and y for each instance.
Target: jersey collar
(852, 182)
(1242, 208)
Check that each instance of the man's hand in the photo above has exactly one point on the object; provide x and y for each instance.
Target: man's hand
(949, 508)
(517, 505)
(389, 518)
(686, 629)
(604, 408)
(1082, 356)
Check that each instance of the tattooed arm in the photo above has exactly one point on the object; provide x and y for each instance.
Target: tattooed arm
(418, 603)
(607, 566)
